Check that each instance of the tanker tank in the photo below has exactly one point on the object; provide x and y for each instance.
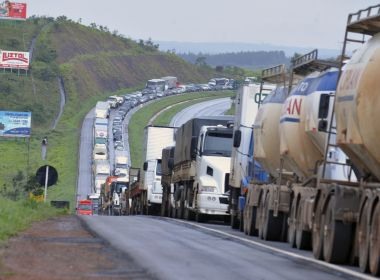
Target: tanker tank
(357, 109)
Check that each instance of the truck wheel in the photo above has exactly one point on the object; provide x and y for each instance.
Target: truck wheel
(317, 235)
(272, 225)
(363, 238)
(303, 237)
(234, 222)
(336, 237)
(374, 242)
(250, 221)
(292, 224)
(241, 224)
(199, 217)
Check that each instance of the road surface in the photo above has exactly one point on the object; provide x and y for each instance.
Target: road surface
(177, 249)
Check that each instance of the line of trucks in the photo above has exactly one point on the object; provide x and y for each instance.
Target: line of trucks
(299, 163)
(109, 184)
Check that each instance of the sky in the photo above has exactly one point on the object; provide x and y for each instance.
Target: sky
(302, 23)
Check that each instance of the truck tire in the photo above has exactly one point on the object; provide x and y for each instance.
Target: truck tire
(363, 238)
(292, 224)
(234, 221)
(250, 221)
(317, 231)
(337, 237)
(272, 225)
(303, 237)
(374, 242)
(199, 217)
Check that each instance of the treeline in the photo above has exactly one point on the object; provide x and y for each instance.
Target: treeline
(248, 59)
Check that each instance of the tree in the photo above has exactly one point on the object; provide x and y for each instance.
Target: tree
(201, 61)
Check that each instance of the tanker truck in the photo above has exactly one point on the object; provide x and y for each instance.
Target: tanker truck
(347, 216)
(201, 168)
(247, 102)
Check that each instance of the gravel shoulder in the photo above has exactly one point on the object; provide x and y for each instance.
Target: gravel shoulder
(63, 248)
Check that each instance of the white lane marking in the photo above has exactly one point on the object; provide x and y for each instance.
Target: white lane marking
(290, 254)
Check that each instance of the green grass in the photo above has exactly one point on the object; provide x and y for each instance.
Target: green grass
(16, 216)
(141, 118)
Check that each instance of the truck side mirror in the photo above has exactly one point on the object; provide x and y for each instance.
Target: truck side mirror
(324, 103)
(145, 166)
(322, 125)
(237, 138)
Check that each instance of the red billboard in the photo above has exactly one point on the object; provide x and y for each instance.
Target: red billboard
(12, 10)
(14, 60)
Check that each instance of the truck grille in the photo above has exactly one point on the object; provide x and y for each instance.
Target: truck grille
(223, 200)
(226, 182)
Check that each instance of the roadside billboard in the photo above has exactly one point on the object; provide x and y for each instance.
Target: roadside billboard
(15, 124)
(14, 60)
(12, 10)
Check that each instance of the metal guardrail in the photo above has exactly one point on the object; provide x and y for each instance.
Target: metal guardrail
(364, 14)
(365, 21)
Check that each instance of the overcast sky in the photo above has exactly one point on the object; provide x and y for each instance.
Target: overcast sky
(303, 23)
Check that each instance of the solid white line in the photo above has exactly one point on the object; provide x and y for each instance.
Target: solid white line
(290, 254)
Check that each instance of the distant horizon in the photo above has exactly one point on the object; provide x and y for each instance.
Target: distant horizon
(213, 48)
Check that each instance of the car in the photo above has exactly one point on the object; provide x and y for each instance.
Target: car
(118, 144)
(118, 136)
(143, 99)
(122, 112)
(117, 119)
(116, 129)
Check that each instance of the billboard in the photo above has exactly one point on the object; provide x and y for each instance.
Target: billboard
(15, 124)
(14, 60)
(11, 10)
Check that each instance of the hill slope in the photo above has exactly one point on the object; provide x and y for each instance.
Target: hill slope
(93, 63)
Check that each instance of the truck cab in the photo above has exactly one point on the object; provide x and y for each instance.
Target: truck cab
(84, 207)
(153, 173)
(213, 161)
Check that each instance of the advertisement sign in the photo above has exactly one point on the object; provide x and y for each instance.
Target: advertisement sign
(14, 60)
(11, 10)
(15, 124)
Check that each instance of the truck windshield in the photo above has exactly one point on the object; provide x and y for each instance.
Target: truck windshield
(218, 143)
(84, 207)
(99, 140)
(158, 168)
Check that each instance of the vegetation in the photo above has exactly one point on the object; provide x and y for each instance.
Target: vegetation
(248, 59)
(141, 118)
(93, 63)
(18, 215)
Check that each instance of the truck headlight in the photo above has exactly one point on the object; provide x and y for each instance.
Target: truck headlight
(207, 189)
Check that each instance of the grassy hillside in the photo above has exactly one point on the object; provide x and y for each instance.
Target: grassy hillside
(93, 63)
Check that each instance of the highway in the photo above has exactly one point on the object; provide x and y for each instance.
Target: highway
(176, 249)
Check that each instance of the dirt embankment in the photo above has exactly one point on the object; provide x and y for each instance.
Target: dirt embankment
(62, 248)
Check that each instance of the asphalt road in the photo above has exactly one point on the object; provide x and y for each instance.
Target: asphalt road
(171, 249)
(208, 108)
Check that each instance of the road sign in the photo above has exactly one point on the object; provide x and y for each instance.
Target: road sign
(52, 175)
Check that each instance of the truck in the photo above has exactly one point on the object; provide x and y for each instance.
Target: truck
(167, 163)
(324, 156)
(121, 166)
(156, 84)
(170, 82)
(102, 110)
(99, 152)
(114, 202)
(149, 195)
(95, 201)
(101, 170)
(247, 101)
(84, 207)
(201, 167)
